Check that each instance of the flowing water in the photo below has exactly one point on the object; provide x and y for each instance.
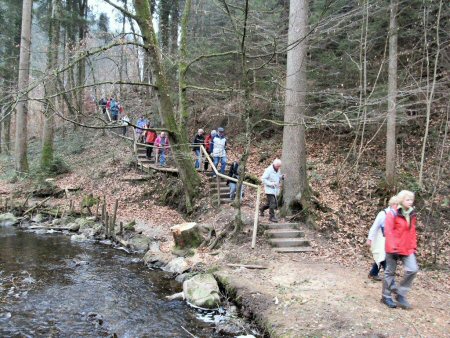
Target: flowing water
(52, 287)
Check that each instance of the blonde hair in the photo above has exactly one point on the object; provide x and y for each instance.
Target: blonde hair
(402, 195)
(393, 201)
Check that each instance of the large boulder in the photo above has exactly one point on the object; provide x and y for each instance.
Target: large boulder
(156, 259)
(186, 235)
(177, 265)
(202, 291)
(8, 219)
(139, 243)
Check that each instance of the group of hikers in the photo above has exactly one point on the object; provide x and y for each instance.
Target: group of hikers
(393, 238)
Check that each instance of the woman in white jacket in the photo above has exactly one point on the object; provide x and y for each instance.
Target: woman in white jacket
(376, 240)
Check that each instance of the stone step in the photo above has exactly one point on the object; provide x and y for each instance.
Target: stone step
(280, 225)
(285, 233)
(288, 242)
(293, 249)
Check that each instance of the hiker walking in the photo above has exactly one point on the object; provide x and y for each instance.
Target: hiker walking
(219, 151)
(102, 104)
(140, 124)
(401, 244)
(272, 181)
(150, 138)
(114, 108)
(198, 141)
(162, 143)
(234, 173)
(125, 122)
(209, 146)
(376, 240)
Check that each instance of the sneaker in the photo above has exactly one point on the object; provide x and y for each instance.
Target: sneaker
(402, 302)
(273, 219)
(375, 278)
(388, 302)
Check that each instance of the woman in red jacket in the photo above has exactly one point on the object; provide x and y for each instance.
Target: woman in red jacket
(401, 244)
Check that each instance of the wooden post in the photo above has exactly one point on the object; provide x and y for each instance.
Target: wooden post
(218, 189)
(70, 207)
(81, 207)
(256, 220)
(134, 142)
(112, 230)
(115, 213)
(6, 204)
(121, 228)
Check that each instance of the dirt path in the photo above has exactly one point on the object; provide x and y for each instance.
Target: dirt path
(299, 297)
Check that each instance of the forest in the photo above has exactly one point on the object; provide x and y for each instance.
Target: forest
(351, 95)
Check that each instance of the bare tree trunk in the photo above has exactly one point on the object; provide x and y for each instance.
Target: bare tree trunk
(51, 86)
(175, 16)
(164, 31)
(392, 96)
(7, 131)
(296, 190)
(22, 106)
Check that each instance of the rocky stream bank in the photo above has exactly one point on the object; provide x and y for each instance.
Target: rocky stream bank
(202, 288)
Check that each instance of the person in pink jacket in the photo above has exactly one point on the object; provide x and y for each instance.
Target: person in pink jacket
(163, 145)
(401, 244)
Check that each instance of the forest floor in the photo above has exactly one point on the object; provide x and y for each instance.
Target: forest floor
(322, 293)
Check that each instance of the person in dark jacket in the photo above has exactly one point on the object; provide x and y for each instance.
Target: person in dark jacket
(199, 140)
(234, 173)
(401, 244)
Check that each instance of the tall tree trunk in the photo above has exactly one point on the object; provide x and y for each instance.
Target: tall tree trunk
(164, 12)
(81, 71)
(51, 86)
(174, 23)
(296, 191)
(22, 106)
(177, 133)
(392, 96)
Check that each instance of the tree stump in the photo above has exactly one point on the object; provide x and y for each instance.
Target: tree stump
(186, 235)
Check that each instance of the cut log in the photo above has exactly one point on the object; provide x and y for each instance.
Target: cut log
(187, 235)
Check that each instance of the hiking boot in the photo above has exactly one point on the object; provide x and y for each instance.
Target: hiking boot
(375, 278)
(402, 302)
(388, 302)
(273, 219)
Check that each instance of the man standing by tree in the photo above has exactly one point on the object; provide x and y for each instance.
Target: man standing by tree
(272, 181)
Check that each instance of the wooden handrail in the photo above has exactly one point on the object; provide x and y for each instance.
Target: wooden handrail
(257, 187)
(217, 173)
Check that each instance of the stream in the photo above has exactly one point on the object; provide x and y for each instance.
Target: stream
(52, 287)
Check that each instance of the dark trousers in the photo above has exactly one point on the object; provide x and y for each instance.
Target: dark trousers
(124, 130)
(206, 162)
(271, 204)
(375, 269)
(150, 150)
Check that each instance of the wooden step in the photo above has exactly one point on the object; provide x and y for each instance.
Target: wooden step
(293, 249)
(288, 242)
(279, 225)
(145, 161)
(221, 189)
(284, 233)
